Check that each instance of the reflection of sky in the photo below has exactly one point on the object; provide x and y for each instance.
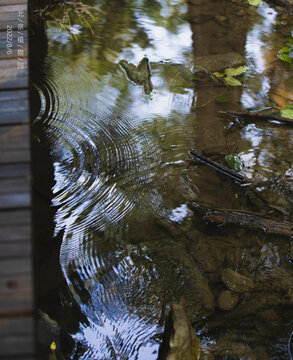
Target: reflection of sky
(165, 45)
(258, 86)
(92, 335)
(256, 47)
(256, 43)
(180, 213)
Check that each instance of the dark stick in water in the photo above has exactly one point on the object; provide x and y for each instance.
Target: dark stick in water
(249, 221)
(254, 115)
(222, 169)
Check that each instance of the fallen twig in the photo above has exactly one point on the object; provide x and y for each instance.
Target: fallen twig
(221, 168)
(255, 222)
(259, 116)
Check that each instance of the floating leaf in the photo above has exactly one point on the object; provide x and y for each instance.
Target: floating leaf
(285, 49)
(254, 2)
(221, 99)
(287, 113)
(235, 72)
(229, 80)
(290, 106)
(285, 57)
(234, 162)
(219, 75)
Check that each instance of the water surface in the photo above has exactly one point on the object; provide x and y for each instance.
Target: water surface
(125, 189)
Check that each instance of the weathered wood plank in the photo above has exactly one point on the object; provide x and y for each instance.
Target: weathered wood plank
(14, 8)
(12, 2)
(16, 295)
(13, 201)
(10, 76)
(14, 156)
(14, 331)
(14, 144)
(14, 345)
(16, 284)
(9, 64)
(13, 284)
(15, 186)
(15, 288)
(14, 108)
(16, 217)
(15, 267)
(15, 193)
(16, 326)
(14, 232)
(15, 249)
(14, 137)
(15, 171)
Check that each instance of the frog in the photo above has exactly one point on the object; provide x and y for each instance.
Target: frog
(140, 74)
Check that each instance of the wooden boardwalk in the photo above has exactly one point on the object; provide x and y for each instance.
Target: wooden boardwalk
(17, 340)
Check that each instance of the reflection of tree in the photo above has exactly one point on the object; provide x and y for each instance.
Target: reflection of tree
(100, 36)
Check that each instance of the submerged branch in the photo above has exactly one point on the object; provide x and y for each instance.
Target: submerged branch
(254, 222)
(253, 115)
(221, 168)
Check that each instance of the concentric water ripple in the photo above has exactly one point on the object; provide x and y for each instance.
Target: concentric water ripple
(104, 166)
(103, 158)
(122, 319)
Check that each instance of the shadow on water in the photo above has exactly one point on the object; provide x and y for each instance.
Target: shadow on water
(118, 103)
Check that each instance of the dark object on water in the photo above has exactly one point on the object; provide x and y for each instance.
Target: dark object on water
(258, 116)
(222, 169)
(140, 74)
(180, 341)
(249, 221)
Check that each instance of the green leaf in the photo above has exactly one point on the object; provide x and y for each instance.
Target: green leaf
(229, 80)
(218, 75)
(287, 113)
(290, 106)
(285, 57)
(221, 99)
(235, 72)
(254, 2)
(285, 49)
(234, 162)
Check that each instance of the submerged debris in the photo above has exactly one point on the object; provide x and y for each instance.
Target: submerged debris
(236, 282)
(180, 341)
(227, 300)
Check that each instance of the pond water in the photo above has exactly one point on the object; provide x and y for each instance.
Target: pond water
(122, 91)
